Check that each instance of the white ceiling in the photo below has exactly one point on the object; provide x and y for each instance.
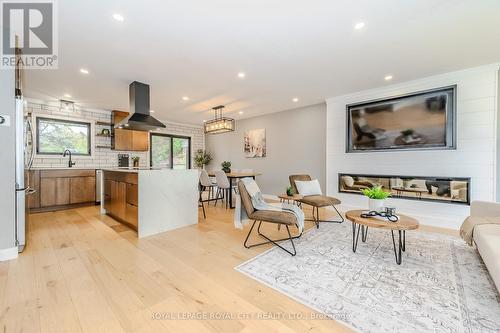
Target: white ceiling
(287, 48)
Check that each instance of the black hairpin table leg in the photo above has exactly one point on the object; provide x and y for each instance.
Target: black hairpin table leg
(400, 247)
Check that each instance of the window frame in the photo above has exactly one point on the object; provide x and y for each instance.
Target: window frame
(89, 125)
(171, 136)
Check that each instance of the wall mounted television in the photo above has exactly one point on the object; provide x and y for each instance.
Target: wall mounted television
(417, 121)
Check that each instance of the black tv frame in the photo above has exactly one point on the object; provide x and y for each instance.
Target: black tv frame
(450, 129)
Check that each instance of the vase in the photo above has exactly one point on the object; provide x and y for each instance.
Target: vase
(376, 205)
(136, 163)
(227, 170)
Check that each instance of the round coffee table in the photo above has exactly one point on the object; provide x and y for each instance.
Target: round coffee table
(363, 223)
(285, 197)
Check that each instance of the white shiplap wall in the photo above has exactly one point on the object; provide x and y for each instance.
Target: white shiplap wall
(103, 157)
(475, 156)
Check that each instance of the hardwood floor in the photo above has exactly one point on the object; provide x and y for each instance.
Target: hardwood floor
(84, 272)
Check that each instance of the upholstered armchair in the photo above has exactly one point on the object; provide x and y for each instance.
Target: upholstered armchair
(316, 201)
(280, 218)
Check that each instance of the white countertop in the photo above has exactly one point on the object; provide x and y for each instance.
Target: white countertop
(131, 169)
(65, 168)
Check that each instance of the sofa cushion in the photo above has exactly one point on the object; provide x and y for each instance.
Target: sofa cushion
(348, 181)
(487, 239)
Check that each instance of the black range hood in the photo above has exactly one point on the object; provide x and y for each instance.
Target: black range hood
(139, 118)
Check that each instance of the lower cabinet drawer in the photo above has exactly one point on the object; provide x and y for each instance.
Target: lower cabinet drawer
(131, 216)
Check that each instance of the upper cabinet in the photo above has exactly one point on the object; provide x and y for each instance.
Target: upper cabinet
(123, 139)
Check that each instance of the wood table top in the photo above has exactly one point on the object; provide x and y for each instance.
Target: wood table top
(404, 223)
(289, 197)
(237, 174)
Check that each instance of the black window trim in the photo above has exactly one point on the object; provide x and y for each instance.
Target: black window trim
(86, 123)
(171, 136)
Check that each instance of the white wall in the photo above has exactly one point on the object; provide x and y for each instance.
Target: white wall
(104, 157)
(295, 143)
(474, 157)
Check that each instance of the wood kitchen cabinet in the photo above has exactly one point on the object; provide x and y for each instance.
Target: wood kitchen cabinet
(61, 189)
(121, 197)
(81, 189)
(54, 192)
(123, 139)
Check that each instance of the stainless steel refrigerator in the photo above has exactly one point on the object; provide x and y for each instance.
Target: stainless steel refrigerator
(24, 161)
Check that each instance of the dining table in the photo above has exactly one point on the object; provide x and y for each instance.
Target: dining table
(235, 176)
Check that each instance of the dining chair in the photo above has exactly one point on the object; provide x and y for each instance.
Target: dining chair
(206, 183)
(223, 186)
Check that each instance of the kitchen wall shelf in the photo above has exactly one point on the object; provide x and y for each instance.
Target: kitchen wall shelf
(104, 135)
(103, 123)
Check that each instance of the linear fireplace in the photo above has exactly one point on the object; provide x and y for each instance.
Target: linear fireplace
(439, 189)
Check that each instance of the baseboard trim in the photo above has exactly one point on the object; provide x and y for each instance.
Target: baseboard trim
(9, 254)
(425, 220)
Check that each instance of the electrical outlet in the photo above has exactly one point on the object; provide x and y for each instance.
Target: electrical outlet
(4, 120)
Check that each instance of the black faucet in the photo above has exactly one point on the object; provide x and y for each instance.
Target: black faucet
(67, 151)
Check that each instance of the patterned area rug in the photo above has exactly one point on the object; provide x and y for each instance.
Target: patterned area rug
(441, 286)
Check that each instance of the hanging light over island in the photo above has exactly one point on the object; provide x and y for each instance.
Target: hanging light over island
(219, 124)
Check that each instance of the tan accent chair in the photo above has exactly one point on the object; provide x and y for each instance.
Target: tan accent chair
(316, 201)
(280, 218)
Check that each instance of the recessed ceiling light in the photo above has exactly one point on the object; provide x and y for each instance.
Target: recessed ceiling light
(295, 100)
(388, 77)
(126, 125)
(359, 25)
(152, 111)
(185, 98)
(67, 95)
(241, 112)
(84, 71)
(118, 17)
(241, 75)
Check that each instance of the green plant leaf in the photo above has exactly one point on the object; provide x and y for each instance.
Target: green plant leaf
(376, 192)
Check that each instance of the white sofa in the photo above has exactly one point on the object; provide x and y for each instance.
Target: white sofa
(487, 237)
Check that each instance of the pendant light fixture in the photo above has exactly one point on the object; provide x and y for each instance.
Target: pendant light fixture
(219, 124)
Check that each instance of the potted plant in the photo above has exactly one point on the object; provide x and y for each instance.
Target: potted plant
(202, 158)
(376, 198)
(408, 133)
(135, 160)
(290, 191)
(226, 166)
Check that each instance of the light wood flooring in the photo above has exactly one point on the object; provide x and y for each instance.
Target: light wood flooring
(84, 272)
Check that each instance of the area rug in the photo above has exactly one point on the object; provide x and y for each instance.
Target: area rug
(441, 286)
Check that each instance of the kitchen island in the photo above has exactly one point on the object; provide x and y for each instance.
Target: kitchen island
(150, 200)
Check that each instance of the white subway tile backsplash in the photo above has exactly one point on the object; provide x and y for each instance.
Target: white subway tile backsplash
(105, 157)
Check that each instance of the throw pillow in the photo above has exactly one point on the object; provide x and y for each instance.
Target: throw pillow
(311, 187)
